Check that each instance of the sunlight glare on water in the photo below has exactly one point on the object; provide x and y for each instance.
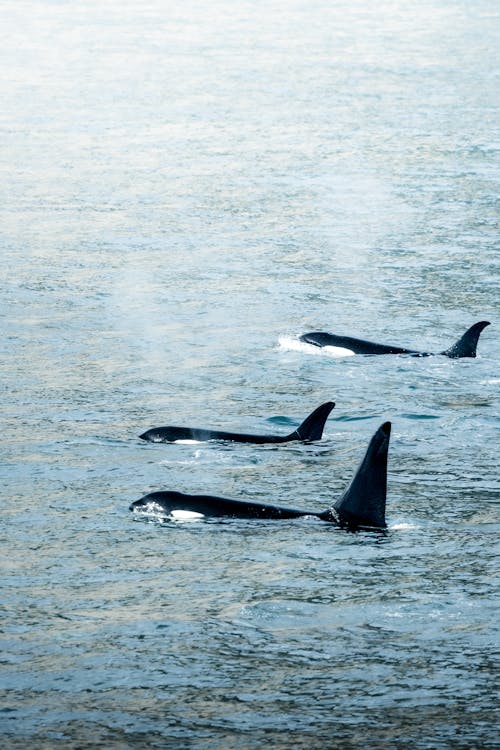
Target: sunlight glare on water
(187, 188)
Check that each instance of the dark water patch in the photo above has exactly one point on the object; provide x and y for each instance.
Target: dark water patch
(420, 416)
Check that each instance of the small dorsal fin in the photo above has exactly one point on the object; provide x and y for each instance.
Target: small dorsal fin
(313, 425)
(466, 344)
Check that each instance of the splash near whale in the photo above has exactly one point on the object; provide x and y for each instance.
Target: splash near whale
(362, 506)
(310, 429)
(464, 347)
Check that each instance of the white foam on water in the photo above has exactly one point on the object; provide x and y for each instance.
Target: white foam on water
(150, 509)
(402, 527)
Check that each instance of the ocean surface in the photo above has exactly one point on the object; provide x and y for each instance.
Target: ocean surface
(186, 188)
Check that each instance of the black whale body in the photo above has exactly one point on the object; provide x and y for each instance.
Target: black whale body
(310, 429)
(361, 506)
(464, 347)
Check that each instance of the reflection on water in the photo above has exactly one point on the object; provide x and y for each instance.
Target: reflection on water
(187, 190)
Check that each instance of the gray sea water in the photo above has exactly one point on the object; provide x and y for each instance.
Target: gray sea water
(186, 188)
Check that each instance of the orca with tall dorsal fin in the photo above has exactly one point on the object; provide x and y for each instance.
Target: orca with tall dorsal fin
(361, 506)
(310, 429)
(464, 347)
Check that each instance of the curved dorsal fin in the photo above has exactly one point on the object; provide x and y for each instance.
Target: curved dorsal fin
(466, 344)
(313, 425)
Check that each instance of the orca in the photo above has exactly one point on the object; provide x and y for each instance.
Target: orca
(362, 506)
(464, 347)
(310, 429)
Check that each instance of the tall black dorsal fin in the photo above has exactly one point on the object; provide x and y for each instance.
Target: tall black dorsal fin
(363, 503)
(466, 344)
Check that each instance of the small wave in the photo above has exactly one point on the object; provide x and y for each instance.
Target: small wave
(185, 462)
(288, 342)
(402, 527)
(420, 416)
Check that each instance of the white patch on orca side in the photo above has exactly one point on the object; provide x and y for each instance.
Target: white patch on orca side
(338, 351)
(287, 342)
(187, 442)
(185, 515)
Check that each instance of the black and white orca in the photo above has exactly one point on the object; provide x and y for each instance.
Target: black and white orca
(464, 347)
(362, 506)
(310, 429)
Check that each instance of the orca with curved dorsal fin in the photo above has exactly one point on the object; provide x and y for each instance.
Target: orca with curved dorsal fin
(361, 506)
(310, 429)
(464, 347)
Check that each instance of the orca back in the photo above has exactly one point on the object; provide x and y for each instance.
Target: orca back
(212, 506)
(464, 347)
(358, 346)
(310, 429)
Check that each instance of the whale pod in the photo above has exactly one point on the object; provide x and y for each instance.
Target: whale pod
(310, 429)
(464, 347)
(361, 506)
